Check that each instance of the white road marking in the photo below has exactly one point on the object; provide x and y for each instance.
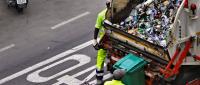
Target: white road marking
(7, 47)
(68, 80)
(70, 20)
(82, 72)
(90, 76)
(35, 77)
(20, 73)
(107, 76)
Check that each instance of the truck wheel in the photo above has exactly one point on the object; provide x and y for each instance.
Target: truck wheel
(194, 82)
(189, 75)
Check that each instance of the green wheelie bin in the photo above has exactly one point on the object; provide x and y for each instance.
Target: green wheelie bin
(134, 67)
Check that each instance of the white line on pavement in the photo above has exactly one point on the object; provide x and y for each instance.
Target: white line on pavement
(70, 20)
(82, 72)
(90, 76)
(35, 76)
(61, 55)
(7, 47)
(107, 76)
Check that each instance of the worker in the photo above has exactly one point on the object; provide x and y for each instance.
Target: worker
(101, 54)
(117, 77)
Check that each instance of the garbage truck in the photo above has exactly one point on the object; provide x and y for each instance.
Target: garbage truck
(165, 33)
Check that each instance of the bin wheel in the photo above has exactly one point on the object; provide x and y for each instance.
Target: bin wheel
(189, 77)
(159, 81)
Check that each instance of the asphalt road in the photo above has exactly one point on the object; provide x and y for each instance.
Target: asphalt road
(36, 46)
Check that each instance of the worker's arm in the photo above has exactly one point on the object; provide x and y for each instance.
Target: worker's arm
(98, 25)
(96, 31)
(95, 43)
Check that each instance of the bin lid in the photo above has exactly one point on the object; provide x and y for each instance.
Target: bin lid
(130, 63)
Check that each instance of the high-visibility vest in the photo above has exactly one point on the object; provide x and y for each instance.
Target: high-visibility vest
(114, 82)
(99, 22)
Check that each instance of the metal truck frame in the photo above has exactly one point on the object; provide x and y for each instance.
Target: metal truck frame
(178, 64)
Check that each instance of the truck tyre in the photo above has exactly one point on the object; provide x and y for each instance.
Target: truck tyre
(189, 75)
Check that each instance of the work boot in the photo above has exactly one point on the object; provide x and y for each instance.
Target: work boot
(99, 77)
(99, 82)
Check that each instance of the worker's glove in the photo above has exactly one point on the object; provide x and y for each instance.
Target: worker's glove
(95, 44)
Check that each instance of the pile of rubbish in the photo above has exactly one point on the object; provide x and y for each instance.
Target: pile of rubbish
(152, 21)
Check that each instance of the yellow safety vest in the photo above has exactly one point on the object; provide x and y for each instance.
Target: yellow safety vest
(113, 82)
(99, 23)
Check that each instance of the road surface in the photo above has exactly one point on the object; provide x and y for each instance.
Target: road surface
(49, 44)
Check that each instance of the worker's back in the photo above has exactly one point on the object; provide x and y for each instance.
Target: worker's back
(113, 82)
(117, 77)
